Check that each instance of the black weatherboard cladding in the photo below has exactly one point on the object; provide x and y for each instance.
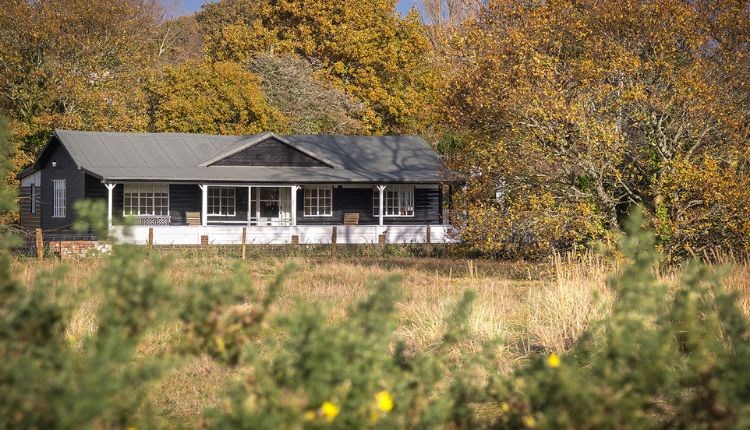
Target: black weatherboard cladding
(183, 198)
(270, 152)
(65, 168)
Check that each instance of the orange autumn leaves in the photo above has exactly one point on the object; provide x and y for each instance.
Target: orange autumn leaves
(599, 106)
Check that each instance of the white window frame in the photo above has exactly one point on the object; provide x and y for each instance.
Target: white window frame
(312, 199)
(398, 201)
(32, 192)
(223, 198)
(58, 198)
(138, 193)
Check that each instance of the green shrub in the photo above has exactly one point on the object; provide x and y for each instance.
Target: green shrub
(350, 374)
(657, 362)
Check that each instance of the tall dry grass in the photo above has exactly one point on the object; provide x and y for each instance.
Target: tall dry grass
(561, 309)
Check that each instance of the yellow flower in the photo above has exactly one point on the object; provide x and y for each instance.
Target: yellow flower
(219, 343)
(528, 421)
(329, 410)
(310, 415)
(132, 428)
(505, 408)
(384, 401)
(553, 361)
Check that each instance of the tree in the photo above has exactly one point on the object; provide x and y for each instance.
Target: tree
(179, 41)
(74, 63)
(364, 47)
(445, 17)
(601, 100)
(312, 106)
(213, 98)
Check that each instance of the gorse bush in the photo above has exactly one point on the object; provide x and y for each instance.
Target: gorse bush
(656, 362)
(346, 375)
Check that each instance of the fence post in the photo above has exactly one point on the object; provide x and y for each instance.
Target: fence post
(150, 238)
(472, 268)
(39, 245)
(428, 239)
(244, 242)
(333, 241)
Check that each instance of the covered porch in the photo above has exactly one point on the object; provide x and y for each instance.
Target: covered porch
(185, 214)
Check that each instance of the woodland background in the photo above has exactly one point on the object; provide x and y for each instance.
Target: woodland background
(575, 111)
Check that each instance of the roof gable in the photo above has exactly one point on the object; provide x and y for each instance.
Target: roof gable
(268, 150)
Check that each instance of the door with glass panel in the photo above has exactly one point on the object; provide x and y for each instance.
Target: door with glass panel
(271, 206)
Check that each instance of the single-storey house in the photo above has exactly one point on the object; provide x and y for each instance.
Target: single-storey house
(278, 189)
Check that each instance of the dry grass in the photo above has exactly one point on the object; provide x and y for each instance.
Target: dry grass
(532, 308)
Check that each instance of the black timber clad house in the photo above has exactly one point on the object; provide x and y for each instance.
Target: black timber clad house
(174, 179)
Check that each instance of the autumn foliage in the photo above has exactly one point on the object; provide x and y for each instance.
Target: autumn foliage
(603, 105)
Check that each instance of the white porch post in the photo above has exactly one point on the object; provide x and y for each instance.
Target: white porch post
(294, 189)
(249, 203)
(204, 205)
(381, 188)
(110, 188)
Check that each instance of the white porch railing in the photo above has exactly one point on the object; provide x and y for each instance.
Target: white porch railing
(278, 235)
(149, 220)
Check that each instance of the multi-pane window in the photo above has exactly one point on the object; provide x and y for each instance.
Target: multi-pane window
(58, 198)
(221, 201)
(398, 200)
(318, 200)
(145, 199)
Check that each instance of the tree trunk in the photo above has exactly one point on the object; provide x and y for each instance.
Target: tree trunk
(608, 206)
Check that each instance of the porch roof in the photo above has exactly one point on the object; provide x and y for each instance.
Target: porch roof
(180, 157)
(257, 174)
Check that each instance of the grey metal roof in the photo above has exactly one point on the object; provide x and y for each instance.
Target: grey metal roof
(185, 157)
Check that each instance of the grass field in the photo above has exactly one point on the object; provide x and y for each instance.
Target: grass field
(533, 308)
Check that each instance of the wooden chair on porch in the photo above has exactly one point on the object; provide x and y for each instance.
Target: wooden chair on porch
(193, 218)
(351, 218)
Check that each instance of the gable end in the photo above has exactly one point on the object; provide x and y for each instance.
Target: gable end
(270, 152)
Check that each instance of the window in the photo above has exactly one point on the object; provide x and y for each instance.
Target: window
(398, 200)
(221, 201)
(269, 202)
(318, 200)
(33, 198)
(58, 196)
(145, 199)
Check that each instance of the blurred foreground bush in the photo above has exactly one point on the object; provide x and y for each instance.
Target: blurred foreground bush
(662, 359)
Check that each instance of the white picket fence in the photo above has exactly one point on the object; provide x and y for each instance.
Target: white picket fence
(279, 235)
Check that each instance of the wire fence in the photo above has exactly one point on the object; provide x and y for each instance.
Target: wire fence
(26, 247)
(26, 240)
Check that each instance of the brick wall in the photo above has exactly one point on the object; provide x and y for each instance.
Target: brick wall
(78, 248)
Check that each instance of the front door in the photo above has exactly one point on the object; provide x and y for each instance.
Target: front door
(272, 205)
